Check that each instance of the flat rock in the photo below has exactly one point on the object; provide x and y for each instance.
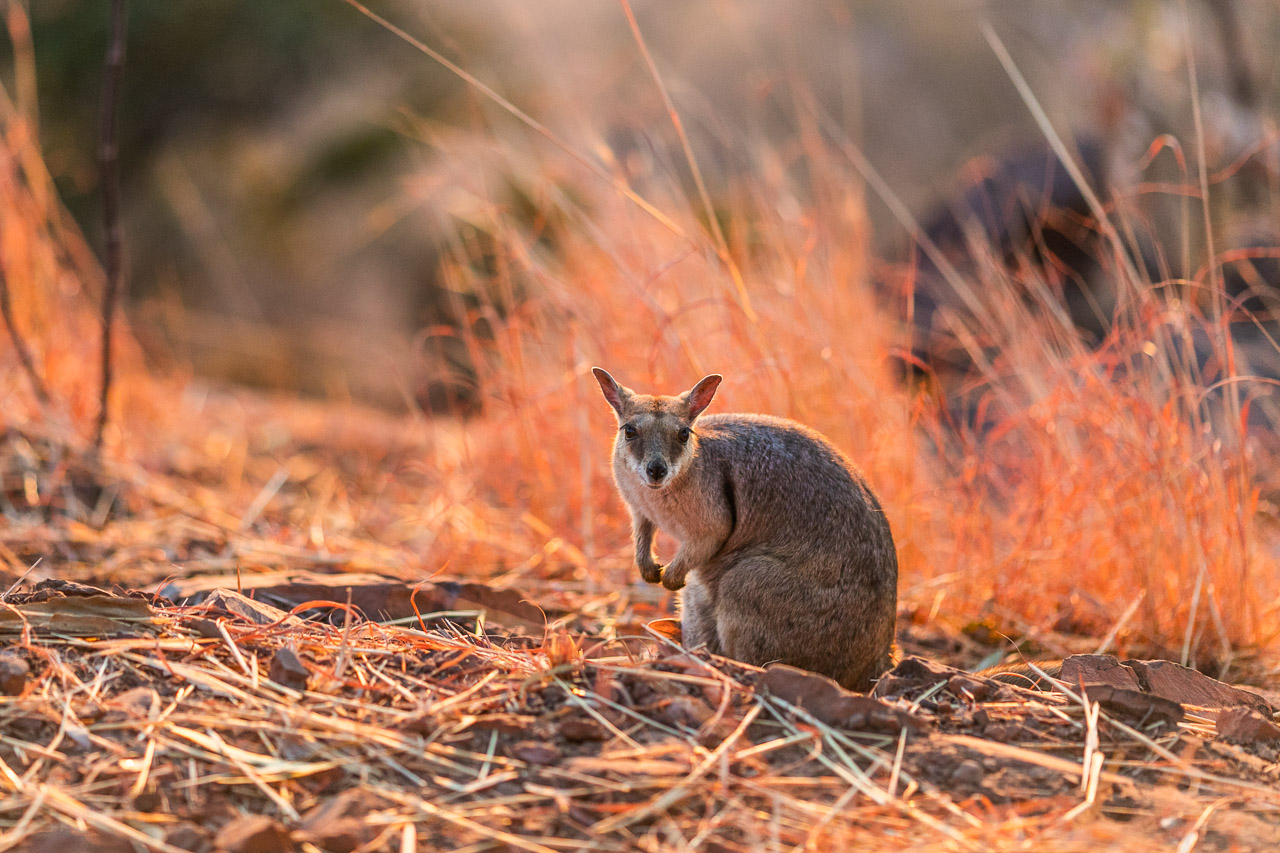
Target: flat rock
(1134, 706)
(1098, 669)
(1189, 687)
(76, 610)
(379, 598)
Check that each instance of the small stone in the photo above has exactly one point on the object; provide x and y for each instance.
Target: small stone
(187, 837)
(968, 775)
(534, 752)
(288, 670)
(582, 729)
(13, 674)
(148, 801)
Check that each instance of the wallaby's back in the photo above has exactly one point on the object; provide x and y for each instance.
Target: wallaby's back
(810, 562)
(796, 494)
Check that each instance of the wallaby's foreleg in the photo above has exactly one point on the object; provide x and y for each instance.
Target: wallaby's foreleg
(643, 530)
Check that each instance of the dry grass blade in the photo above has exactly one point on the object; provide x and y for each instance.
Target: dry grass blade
(480, 829)
(60, 801)
(713, 222)
(676, 793)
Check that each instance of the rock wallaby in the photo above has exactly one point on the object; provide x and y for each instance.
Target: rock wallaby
(785, 554)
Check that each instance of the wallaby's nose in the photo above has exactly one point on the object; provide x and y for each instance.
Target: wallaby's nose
(656, 469)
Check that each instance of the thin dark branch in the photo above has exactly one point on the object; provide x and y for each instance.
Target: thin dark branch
(24, 354)
(113, 236)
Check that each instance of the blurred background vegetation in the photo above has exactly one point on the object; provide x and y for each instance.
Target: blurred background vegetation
(290, 206)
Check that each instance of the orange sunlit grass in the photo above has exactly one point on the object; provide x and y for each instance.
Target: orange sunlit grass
(1100, 499)
(1107, 494)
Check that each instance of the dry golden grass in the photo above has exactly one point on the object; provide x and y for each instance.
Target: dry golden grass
(1096, 501)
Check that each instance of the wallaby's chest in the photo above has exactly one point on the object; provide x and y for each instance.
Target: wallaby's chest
(685, 511)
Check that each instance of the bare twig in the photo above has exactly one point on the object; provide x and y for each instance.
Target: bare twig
(113, 238)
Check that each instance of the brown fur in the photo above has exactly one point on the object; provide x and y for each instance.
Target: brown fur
(785, 554)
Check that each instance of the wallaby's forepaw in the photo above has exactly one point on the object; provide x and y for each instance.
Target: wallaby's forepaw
(673, 580)
(651, 573)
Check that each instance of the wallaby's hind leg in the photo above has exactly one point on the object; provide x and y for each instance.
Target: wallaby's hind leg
(766, 614)
(698, 618)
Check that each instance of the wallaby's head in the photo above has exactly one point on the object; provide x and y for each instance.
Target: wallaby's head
(656, 437)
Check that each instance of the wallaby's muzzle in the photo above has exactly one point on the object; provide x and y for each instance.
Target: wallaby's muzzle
(657, 472)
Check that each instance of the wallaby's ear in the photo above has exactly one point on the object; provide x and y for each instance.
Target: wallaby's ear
(613, 392)
(700, 397)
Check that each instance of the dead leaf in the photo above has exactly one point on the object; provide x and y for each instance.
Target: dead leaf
(257, 612)
(140, 703)
(507, 724)
(253, 834)
(913, 674)
(535, 752)
(684, 711)
(64, 840)
(582, 729)
(975, 688)
(340, 824)
(666, 629)
(186, 836)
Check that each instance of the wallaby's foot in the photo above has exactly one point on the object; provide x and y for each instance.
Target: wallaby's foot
(651, 573)
(674, 579)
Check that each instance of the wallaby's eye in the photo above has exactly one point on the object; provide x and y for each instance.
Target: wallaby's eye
(684, 434)
(629, 432)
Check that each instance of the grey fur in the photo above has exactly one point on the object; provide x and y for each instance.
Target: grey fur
(785, 553)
